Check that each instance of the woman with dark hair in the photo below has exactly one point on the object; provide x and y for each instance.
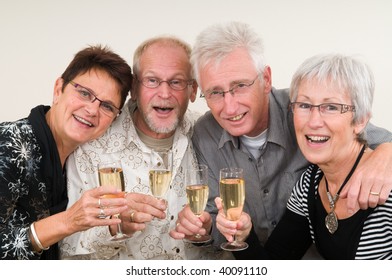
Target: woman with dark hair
(33, 151)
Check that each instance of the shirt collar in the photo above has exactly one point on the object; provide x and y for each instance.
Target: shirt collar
(279, 119)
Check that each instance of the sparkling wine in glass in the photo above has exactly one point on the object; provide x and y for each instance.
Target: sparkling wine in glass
(111, 174)
(196, 181)
(232, 193)
(160, 173)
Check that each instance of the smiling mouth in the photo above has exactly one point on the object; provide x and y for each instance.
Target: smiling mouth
(79, 119)
(163, 109)
(317, 139)
(237, 118)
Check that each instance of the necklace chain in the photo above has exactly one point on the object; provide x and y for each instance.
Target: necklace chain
(331, 220)
(332, 200)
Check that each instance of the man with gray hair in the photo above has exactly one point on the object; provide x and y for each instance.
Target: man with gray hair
(156, 116)
(249, 126)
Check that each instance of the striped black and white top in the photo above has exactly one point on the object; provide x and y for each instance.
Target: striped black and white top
(365, 235)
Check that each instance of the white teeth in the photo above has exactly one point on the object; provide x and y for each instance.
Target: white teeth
(317, 138)
(83, 121)
(236, 118)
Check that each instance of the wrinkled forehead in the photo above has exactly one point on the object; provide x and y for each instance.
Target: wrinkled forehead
(160, 57)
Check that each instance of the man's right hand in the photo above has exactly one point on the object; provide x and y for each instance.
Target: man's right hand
(228, 228)
(143, 208)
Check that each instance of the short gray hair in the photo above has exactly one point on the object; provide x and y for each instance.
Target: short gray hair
(349, 73)
(219, 40)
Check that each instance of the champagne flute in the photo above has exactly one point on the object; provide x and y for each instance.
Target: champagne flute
(160, 174)
(111, 174)
(232, 193)
(196, 181)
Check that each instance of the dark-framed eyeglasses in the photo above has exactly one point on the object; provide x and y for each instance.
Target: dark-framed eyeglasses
(176, 84)
(87, 95)
(238, 89)
(325, 109)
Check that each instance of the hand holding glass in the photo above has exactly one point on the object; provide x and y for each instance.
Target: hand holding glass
(232, 193)
(111, 174)
(196, 182)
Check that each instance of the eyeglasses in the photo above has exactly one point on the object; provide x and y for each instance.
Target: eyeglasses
(238, 89)
(325, 109)
(176, 84)
(88, 96)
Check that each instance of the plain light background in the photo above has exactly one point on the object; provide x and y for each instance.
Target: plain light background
(39, 38)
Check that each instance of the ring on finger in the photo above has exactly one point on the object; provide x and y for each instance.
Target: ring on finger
(131, 218)
(99, 203)
(101, 214)
(374, 193)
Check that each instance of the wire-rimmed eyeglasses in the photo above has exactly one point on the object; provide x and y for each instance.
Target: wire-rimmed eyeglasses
(238, 89)
(88, 96)
(176, 84)
(325, 109)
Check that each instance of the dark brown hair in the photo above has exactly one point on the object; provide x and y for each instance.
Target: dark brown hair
(101, 58)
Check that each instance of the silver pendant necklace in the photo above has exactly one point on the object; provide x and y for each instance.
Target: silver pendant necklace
(331, 220)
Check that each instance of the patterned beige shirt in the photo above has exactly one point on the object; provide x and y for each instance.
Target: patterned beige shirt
(121, 141)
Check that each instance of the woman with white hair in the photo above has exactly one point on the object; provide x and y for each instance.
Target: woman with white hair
(331, 98)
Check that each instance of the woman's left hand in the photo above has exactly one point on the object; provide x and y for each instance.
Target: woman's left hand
(91, 209)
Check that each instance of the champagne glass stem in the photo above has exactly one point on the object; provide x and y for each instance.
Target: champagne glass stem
(234, 242)
(119, 230)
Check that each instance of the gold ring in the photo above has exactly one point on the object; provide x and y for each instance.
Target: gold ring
(99, 203)
(375, 193)
(101, 214)
(131, 217)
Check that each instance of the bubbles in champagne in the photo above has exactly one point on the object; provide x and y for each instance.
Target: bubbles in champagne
(232, 193)
(159, 182)
(112, 176)
(197, 198)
